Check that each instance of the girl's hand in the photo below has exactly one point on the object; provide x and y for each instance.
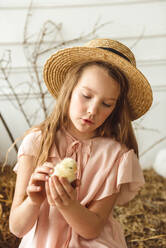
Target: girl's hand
(36, 186)
(59, 192)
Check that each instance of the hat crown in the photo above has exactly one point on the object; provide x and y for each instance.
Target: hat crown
(113, 44)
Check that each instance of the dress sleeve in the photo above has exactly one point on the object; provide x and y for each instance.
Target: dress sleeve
(29, 146)
(125, 177)
(129, 177)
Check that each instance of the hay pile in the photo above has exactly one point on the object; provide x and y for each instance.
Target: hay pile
(7, 183)
(143, 219)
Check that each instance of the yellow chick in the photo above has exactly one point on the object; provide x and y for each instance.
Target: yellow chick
(66, 168)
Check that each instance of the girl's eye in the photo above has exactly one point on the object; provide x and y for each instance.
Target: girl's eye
(106, 105)
(86, 96)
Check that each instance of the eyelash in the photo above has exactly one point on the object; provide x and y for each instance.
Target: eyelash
(105, 105)
(87, 97)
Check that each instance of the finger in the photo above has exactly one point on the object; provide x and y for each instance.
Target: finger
(44, 169)
(68, 188)
(48, 194)
(57, 190)
(47, 164)
(32, 189)
(40, 174)
(64, 196)
(54, 193)
(38, 177)
(78, 182)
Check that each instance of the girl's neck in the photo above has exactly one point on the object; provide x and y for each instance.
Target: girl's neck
(78, 135)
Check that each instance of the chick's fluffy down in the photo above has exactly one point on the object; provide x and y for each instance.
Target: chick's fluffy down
(66, 168)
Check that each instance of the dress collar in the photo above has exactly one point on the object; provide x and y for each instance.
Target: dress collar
(71, 141)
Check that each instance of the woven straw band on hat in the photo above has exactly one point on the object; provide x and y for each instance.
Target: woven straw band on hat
(107, 50)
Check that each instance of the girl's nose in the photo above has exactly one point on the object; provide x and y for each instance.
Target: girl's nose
(93, 108)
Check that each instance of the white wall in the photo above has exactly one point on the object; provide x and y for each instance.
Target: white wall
(139, 24)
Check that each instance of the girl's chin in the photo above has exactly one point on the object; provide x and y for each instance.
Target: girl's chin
(81, 130)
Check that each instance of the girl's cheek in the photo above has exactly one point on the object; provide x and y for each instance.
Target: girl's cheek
(80, 103)
(105, 114)
(77, 105)
(81, 107)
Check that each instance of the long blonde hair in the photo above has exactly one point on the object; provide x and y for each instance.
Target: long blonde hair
(117, 125)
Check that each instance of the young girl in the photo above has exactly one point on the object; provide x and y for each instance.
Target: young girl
(98, 92)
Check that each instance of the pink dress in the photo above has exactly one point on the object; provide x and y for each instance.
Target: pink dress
(104, 167)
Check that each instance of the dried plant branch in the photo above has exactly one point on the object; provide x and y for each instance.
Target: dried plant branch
(29, 14)
(42, 94)
(92, 33)
(15, 95)
(8, 131)
(152, 237)
(153, 145)
(138, 126)
(140, 37)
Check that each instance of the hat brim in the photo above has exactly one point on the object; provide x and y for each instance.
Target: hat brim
(139, 95)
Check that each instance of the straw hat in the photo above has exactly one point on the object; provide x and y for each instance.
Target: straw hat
(107, 50)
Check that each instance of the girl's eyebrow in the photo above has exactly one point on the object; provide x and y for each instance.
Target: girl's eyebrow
(87, 88)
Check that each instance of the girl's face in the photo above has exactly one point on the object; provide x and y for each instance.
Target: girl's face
(93, 100)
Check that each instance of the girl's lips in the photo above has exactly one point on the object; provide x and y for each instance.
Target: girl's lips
(88, 121)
